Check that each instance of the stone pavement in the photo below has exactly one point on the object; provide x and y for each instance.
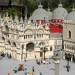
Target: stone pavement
(7, 65)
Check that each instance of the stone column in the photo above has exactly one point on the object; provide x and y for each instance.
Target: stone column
(56, 62)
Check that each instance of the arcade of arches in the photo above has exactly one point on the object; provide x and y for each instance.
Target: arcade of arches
(70, 57)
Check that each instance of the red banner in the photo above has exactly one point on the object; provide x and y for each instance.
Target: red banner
(55, 28)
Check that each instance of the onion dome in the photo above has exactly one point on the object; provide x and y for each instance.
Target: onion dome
(49, 14)
(40, 14)
(59, 12)
(71, 15)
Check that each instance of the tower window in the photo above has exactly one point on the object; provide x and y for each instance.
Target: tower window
(24, 37)
(69, 34)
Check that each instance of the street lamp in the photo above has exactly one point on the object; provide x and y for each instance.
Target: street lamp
(56, 57)
(44, 49)
(68, 59)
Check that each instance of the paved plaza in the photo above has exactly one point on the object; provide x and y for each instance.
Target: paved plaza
(7, 65)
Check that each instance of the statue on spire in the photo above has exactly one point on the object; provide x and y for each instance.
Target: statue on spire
(73, 9)
(60, 1)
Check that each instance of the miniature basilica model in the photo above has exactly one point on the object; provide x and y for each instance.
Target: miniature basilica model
(29, 39)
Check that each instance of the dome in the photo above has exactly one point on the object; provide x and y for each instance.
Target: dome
(71, 15)
(59, 12)
(49, 14)
(39, 14)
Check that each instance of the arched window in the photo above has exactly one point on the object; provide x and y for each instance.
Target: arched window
(50, 48)
(24, 37)
(6, 28)
(22, 46)
(65, 45)
(14, 44)
(9, 42)
(69, 34)
(3, 38)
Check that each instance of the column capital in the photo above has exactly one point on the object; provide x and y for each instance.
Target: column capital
(56, 61)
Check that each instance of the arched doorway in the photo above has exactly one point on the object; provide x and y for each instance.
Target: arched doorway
(29, 48)
(14, 53)
(42, 48)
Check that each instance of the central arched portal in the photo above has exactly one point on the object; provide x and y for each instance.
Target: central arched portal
(29, 48)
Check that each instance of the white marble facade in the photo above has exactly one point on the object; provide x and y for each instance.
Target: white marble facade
(24, 39)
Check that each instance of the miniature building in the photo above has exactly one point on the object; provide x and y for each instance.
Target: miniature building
(24, 39)
(69, 35)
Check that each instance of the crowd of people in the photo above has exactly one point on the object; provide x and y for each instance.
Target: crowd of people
(42, 61)
(24, 68)
(21, 66)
